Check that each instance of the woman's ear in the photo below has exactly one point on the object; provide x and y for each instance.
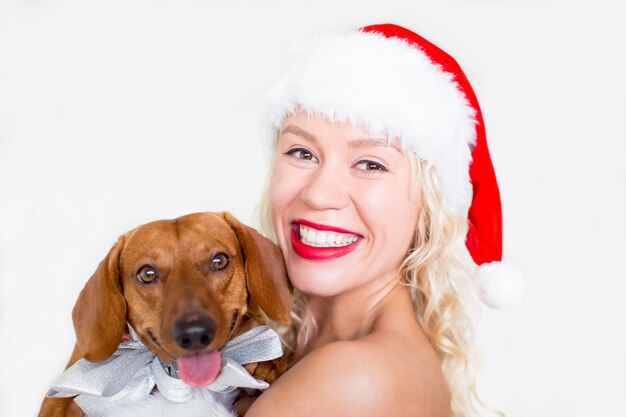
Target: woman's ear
(266, 274)
(100, 311)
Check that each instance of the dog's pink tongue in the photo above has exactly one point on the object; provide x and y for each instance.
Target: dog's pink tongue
(200, 369)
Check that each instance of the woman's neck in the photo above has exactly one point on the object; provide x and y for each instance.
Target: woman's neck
(355, 314)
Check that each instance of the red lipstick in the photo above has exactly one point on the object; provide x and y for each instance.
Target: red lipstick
(314, 253)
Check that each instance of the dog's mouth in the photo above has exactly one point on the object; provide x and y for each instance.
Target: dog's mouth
(196, 370)
(199, 369)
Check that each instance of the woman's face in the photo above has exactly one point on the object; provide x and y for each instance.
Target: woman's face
(343, 205)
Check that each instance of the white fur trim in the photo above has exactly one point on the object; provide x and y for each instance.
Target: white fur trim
(387, 86)
(204, 403)
(499, 285)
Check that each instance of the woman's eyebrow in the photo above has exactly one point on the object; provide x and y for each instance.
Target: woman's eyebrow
(299, 132)
(370, 143)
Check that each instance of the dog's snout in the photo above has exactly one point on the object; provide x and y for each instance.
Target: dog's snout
(194, 332)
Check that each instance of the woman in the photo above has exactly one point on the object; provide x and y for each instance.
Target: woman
(368, 198)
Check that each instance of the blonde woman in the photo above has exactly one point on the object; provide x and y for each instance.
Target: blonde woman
(370, 198)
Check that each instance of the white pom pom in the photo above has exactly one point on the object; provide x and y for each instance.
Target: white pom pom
(499, 285)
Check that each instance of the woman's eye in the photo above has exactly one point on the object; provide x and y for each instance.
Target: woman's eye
(370, 166)
(147, 275)
(219, 262)
(301, 153)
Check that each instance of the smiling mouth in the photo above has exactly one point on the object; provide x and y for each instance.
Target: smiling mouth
(320, 243)
(324, 239)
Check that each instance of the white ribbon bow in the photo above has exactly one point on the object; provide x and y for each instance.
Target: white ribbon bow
(133, 371)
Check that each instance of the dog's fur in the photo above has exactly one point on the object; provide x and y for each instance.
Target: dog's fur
(181, 251)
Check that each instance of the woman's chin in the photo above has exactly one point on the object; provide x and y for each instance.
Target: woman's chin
(321, 284)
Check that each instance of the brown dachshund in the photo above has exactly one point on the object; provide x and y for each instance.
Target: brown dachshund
(186, 286)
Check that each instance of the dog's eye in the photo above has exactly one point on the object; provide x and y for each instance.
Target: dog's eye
(219, 262)
(147, 275)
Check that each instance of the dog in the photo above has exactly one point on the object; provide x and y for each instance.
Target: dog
(185, 287)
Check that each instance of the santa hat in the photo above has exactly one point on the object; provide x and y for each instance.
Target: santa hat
(388, 79)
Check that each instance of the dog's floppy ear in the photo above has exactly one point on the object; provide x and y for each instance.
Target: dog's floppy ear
(265, 270)
(100, 311)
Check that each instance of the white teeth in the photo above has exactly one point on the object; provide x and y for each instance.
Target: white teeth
(320, 238)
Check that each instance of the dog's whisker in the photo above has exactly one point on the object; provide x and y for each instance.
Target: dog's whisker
(233, 324)
(156, 342)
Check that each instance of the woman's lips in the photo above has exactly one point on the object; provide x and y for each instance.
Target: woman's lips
(322, 253)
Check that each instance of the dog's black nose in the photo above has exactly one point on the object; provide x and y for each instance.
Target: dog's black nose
(194, 331)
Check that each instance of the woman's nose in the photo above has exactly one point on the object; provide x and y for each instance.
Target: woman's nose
(326, 189)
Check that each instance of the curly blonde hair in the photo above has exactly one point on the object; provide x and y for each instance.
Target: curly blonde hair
(437, 270)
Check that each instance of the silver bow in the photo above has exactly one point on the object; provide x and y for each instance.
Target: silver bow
(133, 371)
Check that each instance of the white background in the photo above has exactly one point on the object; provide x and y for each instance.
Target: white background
(118, 112)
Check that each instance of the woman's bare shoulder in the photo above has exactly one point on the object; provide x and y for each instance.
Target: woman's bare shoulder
(362, 377)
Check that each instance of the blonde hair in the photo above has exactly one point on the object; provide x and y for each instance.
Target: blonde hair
(437, 270)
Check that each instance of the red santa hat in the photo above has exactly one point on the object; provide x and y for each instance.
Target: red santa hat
(389, 79)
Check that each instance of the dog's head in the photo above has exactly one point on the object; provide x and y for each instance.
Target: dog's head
(185, 285)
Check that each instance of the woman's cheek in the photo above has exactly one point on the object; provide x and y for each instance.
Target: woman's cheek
(376, 201)
(388, 209)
